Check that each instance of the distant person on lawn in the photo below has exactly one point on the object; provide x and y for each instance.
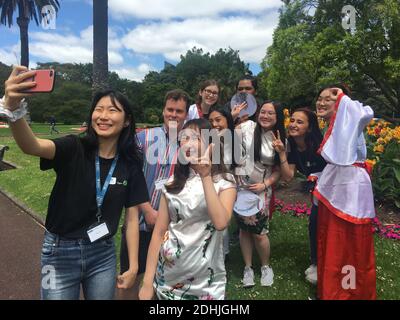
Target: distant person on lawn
(52, 121)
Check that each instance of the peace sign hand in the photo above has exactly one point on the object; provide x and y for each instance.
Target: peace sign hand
(277, 142)
(237, 109)
(202, 165)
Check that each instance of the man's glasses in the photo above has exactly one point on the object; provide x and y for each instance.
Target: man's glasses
(245, 88)
(211, 93)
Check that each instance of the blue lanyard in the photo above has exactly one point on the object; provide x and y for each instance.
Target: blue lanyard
(100, 193)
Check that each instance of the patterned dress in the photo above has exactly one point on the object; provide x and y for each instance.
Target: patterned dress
(251, 172)
(191, 260)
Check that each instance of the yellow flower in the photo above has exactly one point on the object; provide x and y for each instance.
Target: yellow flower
(380, 141)
(396, 133)
(287, 122)
(384, 131)
(387, 139)
(286, 113)
(370, 164)
(379, 148)
(322, 123)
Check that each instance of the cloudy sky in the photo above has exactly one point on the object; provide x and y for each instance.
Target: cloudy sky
(144, 34)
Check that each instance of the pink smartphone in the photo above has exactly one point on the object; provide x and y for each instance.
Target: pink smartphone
(44, 81)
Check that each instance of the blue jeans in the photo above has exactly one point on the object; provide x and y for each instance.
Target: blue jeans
(66, 264)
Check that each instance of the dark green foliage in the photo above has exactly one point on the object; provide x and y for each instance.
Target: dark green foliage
(311, 49)
(70, 100)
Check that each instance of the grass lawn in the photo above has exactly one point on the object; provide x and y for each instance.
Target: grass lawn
(288, 235)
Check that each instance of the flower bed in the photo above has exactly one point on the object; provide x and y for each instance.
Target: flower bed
(389, 231)
(383, 144)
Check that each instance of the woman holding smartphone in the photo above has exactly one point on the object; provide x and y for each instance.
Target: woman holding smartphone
(96, 176)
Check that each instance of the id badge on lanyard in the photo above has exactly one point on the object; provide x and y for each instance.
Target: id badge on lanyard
(100, 229)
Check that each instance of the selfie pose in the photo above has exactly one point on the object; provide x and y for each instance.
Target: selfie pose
(96, 176)
(185, 258)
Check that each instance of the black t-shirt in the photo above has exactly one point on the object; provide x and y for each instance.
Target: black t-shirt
(72, 204)
(306, 162)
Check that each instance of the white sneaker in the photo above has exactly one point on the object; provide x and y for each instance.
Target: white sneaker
(311, 269)
(248, 277)
(312, 277)
(267, 276)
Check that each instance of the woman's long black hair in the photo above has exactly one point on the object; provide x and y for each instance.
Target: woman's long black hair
(181, 171)
(313, 138)
(279, 126)
(127, 142)
(226, 113)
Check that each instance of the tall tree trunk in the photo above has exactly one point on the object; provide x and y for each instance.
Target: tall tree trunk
(100, 45)
(23, 23)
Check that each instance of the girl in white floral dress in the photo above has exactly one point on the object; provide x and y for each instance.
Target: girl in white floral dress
(186, 259)
(257, 173)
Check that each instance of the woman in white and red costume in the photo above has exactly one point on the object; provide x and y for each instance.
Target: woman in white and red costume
(346, 258)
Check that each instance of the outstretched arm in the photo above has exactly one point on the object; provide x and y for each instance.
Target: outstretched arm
(21, 131)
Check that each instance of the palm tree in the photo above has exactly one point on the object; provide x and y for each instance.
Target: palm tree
(27, 10)
(100, 45)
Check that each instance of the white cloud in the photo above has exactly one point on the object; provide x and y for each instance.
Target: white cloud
(136, 74)
(10, 56)
(250, 35)
(167, 9)
(71, 48)
(174, 26)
